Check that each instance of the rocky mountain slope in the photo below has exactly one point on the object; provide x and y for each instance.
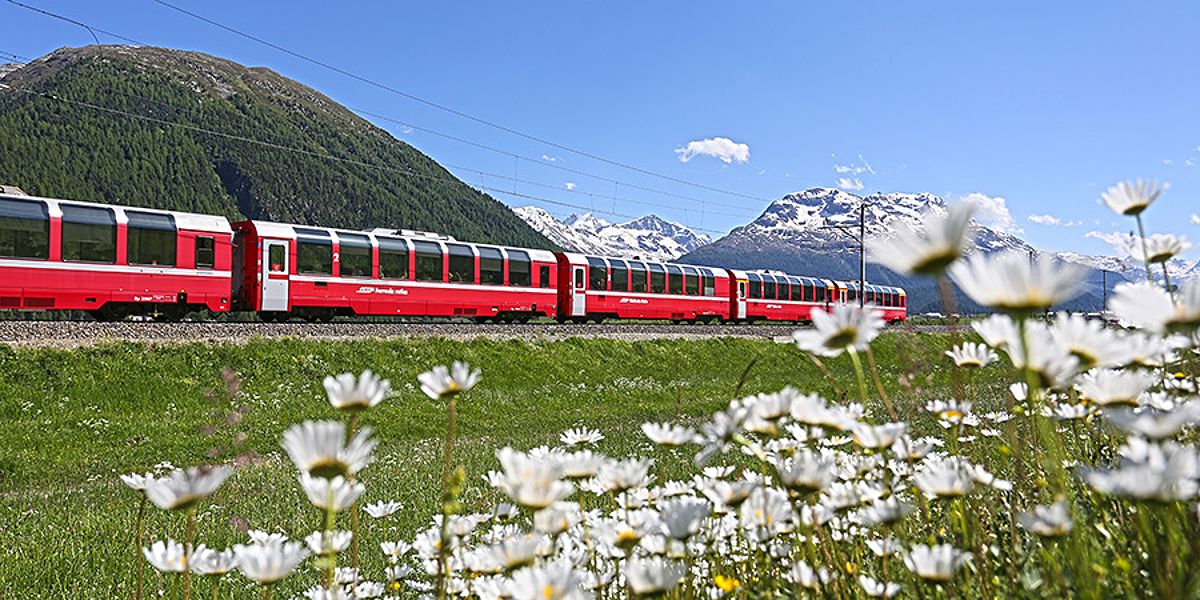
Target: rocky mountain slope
(649, 237)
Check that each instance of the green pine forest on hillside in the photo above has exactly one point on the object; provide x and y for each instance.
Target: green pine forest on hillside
(50, 148)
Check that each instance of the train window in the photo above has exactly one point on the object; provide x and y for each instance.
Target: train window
(756, 285)
(24, 229)
(658, 279)
(314, 252)
(692, 284)
(519, 268)
(206, 252)
(597, 274)
(427, 258)
(637, 273)
(491, 266)
(393, 258)
(769, 287)
(709, 283)
(150, 239)
(674, 280)
(620, 276)
(354, 255)
(276, 257)
(544, 276)
(462, 263)
(89, 234)
(797, 290)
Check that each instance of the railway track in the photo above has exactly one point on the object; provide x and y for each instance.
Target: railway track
(83, 333)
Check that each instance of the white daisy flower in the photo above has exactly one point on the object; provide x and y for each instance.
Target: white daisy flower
(581, 436)
(621, 475)
(553, 581)
(319, 448)
(557, 518)
(1108, 387)
(935, 563)
(1064, 411)
(805, 472)
(182, 489)
(651, 576)
(380, 510)
(940, 477)
(1166, 472)
(910, 450)
(728, 493)
(681, 517)
(971, 354)
(1160, 248)
(998, 331)
(328, 542)
(168, 557)
(1090, 341)
(766, 513)
(878, 436)
(269, 563)
(1011, 281)
(885, 547)
(532, 483)
(845, 327)
(442, 381)
(941, 240)
(394, 551)
(1053, 364)
(206, 561)
(263, 537)
(581, 464)
(884, 511)
(1154, 423)
(335, 494)
(1130, 198)
(1047, 521)
(806, 577)
(877, 589)
(1148, 306)
(346, 392)
(138, 481)
(666, 434)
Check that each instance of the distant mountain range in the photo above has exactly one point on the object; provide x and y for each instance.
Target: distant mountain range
(649, 238)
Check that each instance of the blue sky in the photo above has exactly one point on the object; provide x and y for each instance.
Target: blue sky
(1041, 104)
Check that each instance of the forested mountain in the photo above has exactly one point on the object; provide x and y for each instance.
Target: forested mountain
(52, 148)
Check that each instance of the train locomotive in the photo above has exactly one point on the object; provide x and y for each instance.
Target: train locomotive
(116, 261)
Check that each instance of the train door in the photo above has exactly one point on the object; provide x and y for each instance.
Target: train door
(578, 291)
(741, 300)
(275, 281)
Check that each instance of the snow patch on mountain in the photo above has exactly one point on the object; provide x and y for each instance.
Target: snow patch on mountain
(649, 237)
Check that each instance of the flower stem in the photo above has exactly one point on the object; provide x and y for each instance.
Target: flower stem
(447, 455)
(187, 553)
(1145, 248)
(137, 547)
(858, 371)
(887, 402)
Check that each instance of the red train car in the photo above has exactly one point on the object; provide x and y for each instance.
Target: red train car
(597, 288)
(111, 261)
(774, 296)
(891, 301)
(317, 273)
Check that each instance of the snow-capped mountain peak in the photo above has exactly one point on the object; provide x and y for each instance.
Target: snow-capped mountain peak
(649, 237)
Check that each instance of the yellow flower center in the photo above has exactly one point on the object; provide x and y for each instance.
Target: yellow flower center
(727, 584)
(548, 592)
(951, 414)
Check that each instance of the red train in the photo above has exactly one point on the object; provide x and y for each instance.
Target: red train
(115, 261)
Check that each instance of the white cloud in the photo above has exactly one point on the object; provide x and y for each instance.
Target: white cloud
(762, 172)
(722, 148)
(570, 185)
(405, 130)
(1195, 219)
(548, 158)
(858, 168)
(1167, 161)
(1045, 219)
(1122, 243)
(992, 211)
(850, 184)
(1189, 162)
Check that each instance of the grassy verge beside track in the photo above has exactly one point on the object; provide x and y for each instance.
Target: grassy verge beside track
(72, 420)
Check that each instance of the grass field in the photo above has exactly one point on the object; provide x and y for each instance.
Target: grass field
(71, 421)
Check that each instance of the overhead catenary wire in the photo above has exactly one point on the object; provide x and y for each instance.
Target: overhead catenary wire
(312, 153)
(449, 109)
(459, 139)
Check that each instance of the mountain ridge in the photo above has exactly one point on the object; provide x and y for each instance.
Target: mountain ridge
(379, 181)
(649, 237)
